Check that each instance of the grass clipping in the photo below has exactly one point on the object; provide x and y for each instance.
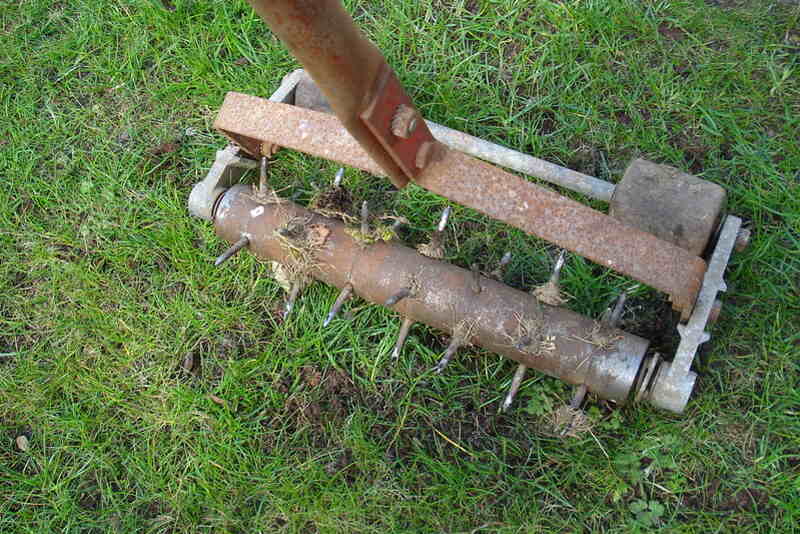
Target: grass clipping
(301, 241)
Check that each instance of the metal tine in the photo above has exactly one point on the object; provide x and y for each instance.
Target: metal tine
(505, 260)
(550, 291)
(294, 291)
(337, 180)
(405, 327)
(262, 175)
(455, 344)
(397, 297)
(612, 316)
(575, 404)
(364, 218)
(344, 294)
(475, 281)
(443, 219)
(558, 266)
(578, 396)
(232, 251)
(519, 375)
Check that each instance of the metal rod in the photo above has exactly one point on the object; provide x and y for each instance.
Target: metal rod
(405, 327)
(232, 251)
(455, 344)
(498, 272)
(262, 175)
(443, 219)
(517, 161)
(557, 269)
(475, 283)
(519, 375)
(337, 180)
(578, 396)
(294, 291)
(612, 316)
(364, 218)
(344, 294)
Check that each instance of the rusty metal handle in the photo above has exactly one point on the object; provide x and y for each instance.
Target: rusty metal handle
(352, 74)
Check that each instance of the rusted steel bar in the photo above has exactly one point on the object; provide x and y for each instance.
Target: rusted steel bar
(488, 189)
(524, 163)
(566, 344)
(309, 96)
(350, 71)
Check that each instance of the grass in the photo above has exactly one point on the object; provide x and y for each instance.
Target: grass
(107, 285)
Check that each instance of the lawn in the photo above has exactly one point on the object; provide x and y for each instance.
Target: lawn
(144, 390)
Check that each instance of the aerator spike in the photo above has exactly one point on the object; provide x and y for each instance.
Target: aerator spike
(443, 219)
(519, 375)
(262, 175)
(231, 252)
(455, 344)
(559, 265)
(344, 294)
(294, 291)
(364, 218)
(337, 180)
(397, 297)
(550, 291)
(405, 327)
(497, 274)
(612, 316)
(475, 281)
(578, 396)
(575, 417)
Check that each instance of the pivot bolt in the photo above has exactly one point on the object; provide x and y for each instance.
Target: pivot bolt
(405, 121)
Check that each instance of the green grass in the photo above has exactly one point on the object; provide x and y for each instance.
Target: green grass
(106, 283)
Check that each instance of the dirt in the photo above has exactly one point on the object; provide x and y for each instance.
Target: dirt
(671, 32)
(336, 199)
(165, 148)
(718, 499)
(654, 320)
(693, 148)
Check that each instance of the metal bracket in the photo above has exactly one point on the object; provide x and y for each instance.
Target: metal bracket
(674, 382)
(228, 167)
(387, 101)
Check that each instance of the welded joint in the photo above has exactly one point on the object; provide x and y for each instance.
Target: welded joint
(674, 381)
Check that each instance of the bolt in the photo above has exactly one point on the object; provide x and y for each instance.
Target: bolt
(742, 239)
(405, 121)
